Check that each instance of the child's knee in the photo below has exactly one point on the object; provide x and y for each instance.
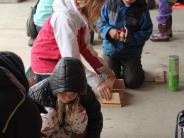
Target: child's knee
(134, 81)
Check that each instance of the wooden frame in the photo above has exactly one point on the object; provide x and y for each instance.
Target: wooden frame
(118, 94)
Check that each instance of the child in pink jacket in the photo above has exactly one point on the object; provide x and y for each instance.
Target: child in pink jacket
(66, 34)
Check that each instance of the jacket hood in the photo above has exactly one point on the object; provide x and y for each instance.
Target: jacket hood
(14, 65)
(13, 87)
(61, 5)
(68, 76)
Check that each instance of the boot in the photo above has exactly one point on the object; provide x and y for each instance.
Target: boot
(164, 32)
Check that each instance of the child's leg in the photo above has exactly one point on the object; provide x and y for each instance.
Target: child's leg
(114, 64)
(164, 20)
(165, 11)
(133, 73)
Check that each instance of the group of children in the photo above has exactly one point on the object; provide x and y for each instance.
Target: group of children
(64, 93)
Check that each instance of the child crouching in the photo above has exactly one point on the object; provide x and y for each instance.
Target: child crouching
(71, 105)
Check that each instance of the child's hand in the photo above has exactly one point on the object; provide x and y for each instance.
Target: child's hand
(122, 34)
(114, 34)
(104, 91)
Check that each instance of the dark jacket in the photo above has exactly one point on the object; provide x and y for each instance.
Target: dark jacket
(19, 115)
(69, 77)
(135, 18)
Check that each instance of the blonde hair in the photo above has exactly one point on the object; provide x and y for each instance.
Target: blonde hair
(87, 8)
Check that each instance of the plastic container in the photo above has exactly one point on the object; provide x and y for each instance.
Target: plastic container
(173, 78)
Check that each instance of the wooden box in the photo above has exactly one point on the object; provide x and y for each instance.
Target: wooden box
(160, 75)
(118, 94)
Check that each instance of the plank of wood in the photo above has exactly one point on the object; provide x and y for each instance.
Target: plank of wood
(114, 100)
(160, 75)
(118, 96)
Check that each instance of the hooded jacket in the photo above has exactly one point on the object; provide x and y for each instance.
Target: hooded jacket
(65, 34)
(134, 18)
(17, 110)
(69, 75)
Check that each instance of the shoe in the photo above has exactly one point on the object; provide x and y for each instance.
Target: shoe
(164, 33)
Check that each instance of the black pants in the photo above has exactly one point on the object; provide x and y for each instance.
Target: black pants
(130, 69)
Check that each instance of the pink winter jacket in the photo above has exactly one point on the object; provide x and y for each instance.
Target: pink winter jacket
(64, 34)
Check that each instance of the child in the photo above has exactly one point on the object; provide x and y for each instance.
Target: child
(66, 34)
(43, 11)
(19, 116)
(164, 20)
(72, 106)
(125, 26)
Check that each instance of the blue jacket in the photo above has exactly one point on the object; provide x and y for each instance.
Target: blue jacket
(136, 19)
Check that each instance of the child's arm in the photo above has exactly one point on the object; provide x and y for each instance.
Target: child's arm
(37, 90)
(103, 23)
(73, 42)
(143, 33)
(95, 119)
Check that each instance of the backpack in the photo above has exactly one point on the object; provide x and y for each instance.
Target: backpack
(30, 26)
(180, 124)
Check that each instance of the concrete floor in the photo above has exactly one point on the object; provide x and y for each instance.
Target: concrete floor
(150, 112)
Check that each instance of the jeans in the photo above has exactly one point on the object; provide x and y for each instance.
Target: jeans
(130, 69)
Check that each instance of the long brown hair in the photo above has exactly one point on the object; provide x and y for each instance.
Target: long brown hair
(87, 8)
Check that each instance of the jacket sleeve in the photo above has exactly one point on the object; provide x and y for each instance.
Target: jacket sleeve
(35, 92)
(95, 119)
(144, 32)
(103, 23)
(42, 95)
(27, 121)
(73, 42)
(65, 32)
(93, 79)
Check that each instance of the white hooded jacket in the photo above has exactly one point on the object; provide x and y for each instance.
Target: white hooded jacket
(68, 37)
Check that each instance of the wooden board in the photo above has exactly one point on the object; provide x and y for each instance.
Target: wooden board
(118, 94)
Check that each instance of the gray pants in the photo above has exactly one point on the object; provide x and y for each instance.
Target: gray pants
(130, 69)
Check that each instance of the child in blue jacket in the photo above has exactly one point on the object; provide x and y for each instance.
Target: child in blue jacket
(125, 26)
